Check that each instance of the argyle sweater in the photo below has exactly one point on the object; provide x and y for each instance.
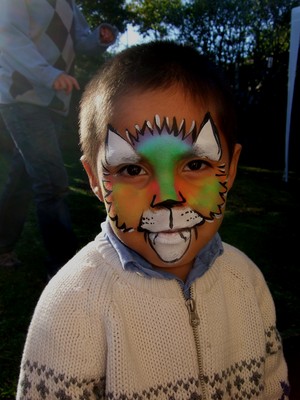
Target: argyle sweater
(38, 41)
(100, 332)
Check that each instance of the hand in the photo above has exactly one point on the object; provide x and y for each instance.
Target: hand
(65, 82)
(106, 35)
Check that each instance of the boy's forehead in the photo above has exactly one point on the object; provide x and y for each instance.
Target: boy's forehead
(136, 108)
(140, 106)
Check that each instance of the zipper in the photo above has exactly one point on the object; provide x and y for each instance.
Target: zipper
(195, 322)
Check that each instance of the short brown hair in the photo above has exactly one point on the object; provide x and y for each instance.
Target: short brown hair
(150, 66)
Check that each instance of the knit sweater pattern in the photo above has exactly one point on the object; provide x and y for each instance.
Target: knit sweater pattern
(99, 332)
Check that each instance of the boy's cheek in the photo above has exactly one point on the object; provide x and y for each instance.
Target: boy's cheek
(205, 196)
(128, 204)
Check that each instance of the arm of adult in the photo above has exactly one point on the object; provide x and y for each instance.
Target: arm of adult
(18, 50)
(65, 82)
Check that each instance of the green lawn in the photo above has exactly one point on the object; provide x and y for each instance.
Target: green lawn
(262, 219)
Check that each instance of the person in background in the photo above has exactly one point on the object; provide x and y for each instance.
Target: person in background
(39, 40)
(157, 306)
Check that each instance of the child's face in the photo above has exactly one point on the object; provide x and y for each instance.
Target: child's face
(164, 189)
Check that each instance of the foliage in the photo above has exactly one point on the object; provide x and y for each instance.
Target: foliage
(234, 30)
(231, 31)
(156, 18)
(248, 38)
(248, 35)
(218, 28)
(115, 12)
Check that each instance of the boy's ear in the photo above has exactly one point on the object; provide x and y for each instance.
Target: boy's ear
(94, 183)
(233, 165)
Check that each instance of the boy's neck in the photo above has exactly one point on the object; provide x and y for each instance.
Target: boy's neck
(181, 271)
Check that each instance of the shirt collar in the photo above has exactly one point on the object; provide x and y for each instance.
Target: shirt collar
(132, 261)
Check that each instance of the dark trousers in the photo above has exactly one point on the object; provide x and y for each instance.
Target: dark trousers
(37, 171)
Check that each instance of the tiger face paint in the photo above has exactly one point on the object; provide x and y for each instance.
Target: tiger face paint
(163, 174)
(163, 182)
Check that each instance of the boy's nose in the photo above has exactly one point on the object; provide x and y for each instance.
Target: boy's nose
(165, 190)
(169, 203)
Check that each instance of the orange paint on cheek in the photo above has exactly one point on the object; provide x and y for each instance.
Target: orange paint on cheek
(129, 203)
(203, 196)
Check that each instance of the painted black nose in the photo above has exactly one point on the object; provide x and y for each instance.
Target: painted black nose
(168, 203)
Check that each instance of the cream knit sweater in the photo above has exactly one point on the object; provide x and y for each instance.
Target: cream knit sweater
(99, 332)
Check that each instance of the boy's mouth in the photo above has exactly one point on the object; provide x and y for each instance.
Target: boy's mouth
(169, 231)
(170, 237)
(170, 246)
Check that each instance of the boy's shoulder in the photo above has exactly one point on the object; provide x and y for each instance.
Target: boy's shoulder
(84, 280)
(238, 265)
(93, 263)
(234, 252)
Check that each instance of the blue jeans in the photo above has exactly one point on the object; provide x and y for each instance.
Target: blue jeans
(37, 170)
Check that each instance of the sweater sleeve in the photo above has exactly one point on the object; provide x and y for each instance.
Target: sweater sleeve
(87, 41)
(65, 351)
(250, 277)
(17, 46)
(276, 382)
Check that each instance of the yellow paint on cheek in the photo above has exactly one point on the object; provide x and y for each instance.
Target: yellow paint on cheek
(128, 203)
(205, 197)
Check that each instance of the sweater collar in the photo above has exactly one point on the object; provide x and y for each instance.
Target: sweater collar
(132, 261)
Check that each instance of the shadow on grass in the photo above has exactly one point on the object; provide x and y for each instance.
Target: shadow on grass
(261, 219)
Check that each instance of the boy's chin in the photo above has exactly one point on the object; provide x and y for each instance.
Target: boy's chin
(160, 250)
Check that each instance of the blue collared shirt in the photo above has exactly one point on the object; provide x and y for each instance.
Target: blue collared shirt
(132, 261)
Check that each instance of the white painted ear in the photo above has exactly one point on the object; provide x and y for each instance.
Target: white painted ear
(118, 150)
(207, 144)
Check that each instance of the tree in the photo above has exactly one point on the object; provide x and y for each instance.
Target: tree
(156, 18)
(116, 12)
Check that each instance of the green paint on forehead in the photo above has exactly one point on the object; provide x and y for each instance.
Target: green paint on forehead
(163, 149)
(162, 152)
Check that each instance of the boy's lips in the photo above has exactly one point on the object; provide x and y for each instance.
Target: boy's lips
(170, 237)
(171, 245)
(169, 231)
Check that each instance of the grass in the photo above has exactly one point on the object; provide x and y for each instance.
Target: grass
(262, 219)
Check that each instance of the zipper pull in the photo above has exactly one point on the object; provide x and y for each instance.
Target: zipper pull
(194, 318)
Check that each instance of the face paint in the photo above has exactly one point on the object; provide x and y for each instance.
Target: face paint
(163, 183)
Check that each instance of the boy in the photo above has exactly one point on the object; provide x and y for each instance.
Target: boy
(157, 307)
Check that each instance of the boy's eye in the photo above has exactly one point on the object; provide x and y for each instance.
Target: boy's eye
(132, 170)
(194, 165)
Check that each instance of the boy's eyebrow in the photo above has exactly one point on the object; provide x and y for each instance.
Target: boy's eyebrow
(125, 159)
(197, 151)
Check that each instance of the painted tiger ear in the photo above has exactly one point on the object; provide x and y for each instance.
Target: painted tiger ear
(118, 150)
(208, 142)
